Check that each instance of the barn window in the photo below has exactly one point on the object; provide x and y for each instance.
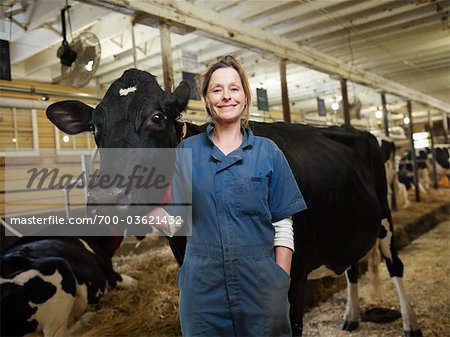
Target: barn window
(82, 143)
(18, 132)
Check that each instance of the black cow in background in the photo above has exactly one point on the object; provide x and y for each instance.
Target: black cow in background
(48, 282)
(340, 171)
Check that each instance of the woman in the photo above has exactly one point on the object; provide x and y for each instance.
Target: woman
(234, 280)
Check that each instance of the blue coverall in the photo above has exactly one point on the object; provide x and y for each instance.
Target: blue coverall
(230, 284)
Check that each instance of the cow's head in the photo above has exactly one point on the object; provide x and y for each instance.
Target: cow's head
(134, 114)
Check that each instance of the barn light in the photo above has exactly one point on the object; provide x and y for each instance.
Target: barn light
(406, 120)
(335, 106)
(14, 140)
(66, 139)
(378, 114)
(44, 98)
(421, 135)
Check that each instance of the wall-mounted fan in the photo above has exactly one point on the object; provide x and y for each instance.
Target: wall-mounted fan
(79, 59)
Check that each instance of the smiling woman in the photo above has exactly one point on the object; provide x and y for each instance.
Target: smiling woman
(226, 98)
(226, 80)
(234, 279)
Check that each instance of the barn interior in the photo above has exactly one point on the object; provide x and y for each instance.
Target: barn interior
(378, 65)
(381, 66)
(396, 48)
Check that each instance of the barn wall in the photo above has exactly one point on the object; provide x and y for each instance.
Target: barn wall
(42, 201)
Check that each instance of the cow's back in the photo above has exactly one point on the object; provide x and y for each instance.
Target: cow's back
(341, 175)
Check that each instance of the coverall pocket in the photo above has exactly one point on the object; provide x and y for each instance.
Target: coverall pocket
(280, 271)
(251, 195)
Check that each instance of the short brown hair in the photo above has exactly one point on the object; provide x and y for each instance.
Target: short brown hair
(227, 61)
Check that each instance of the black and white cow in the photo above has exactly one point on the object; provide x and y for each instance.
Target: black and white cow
(397, 192)
(340, 171)
(442, 161)
(48, 282)
(406, 171)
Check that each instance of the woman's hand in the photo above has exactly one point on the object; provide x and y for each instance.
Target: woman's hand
(283, 256)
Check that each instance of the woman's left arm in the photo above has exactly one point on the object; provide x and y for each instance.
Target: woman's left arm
(283, 256)
(284, 243)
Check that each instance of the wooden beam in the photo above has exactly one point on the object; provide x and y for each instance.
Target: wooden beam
(236, 32)
(284, 92)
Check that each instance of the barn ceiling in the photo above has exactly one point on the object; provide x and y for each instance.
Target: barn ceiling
(398, 47)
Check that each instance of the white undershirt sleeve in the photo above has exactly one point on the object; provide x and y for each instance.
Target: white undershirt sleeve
(174, 226)
(284, 233)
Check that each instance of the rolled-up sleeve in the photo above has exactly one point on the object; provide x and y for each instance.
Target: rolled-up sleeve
(285, 198)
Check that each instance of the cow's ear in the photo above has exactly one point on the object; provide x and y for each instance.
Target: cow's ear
(182, 92)
(71, 117)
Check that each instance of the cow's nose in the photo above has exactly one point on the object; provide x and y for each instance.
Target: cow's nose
(108, 201)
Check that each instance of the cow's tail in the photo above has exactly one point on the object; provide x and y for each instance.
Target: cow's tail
(373, 271)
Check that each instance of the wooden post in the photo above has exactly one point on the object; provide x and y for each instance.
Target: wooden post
(413, 151)
(385, 114)
(433, 152)
(133, 44)
(345, 105)
(445, 126)
(284, 92)
(392, 159)
(166, 54)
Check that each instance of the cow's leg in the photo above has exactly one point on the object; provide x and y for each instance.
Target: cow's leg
(395, 268)
(352, 310)
(297, 301)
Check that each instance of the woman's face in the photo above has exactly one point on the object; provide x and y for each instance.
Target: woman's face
(225, 97)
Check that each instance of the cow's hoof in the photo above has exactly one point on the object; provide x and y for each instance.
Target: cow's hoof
(350, 325)
(415, 333)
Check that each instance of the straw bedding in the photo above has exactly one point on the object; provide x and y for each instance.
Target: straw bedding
(150, 308)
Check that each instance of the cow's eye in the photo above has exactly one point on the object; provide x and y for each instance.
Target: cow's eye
(92, 128)
(158, 118)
